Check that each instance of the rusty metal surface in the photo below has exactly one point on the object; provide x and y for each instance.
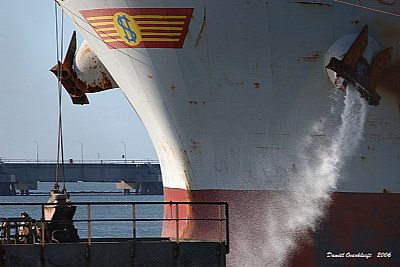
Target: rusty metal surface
(354, 68)
(82, 73)
(390, 80)
(357, 49)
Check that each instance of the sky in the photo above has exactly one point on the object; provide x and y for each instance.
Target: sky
(29, 97)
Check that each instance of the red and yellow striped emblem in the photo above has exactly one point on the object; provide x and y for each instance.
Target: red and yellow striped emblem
(140, 27)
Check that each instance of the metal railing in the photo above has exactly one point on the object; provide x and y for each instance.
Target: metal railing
(78, 161)
(221, 211)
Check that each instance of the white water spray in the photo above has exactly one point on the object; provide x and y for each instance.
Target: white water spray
(290, 215)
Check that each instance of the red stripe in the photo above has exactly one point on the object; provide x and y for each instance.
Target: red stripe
(100, 31)
(161, 36)
(138, 20)
(143, 30)
(138, 11)
(158, 25)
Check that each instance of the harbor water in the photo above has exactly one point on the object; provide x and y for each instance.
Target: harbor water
(95, 192)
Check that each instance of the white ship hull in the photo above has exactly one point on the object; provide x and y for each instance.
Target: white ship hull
(233, 103)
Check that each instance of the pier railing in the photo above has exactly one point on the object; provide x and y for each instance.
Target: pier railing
(86, 161)
(12, 229)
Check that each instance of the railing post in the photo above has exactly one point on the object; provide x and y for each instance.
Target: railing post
(42, 258)
(220, 223)
(88, 220)
(16, 234)
(177, 222)
(170, 209)
(227, 227)
(134, 221)
(42, 237)
(7, 233)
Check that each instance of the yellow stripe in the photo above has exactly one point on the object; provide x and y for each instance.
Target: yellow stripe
(113, 40)
(102, 23)
(105, 29)
(161, 22)
(162, 33)
(157, 17)
(160, 40)
(99, 18)
(162, 28)
(145, 40)
(109, 34)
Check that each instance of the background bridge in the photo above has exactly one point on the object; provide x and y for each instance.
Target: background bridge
(144, 176)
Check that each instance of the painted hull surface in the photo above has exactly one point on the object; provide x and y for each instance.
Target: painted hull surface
(354, 226)
(239, 106)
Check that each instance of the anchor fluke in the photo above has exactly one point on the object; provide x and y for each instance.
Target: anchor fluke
(68, 75)
(82, 72)
(355, 69)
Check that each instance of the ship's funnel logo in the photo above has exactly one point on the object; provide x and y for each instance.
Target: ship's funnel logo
(140, 27)
(127, 28)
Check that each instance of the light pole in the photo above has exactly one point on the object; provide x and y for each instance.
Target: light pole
(37, 151)
(124, 151)
(81, 150)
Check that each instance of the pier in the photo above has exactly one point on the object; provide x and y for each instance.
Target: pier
(21, 245)
(138, 176)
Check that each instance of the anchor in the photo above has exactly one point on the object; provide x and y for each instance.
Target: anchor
(354, 69)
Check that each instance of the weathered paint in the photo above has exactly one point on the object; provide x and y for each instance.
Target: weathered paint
(91, 75)
(216, 67)
(82, 73)
(356, 222)
(248, 84)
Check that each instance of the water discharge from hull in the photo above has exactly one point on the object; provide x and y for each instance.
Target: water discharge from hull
(297, 212)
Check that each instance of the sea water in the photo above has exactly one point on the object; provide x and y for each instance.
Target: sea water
(95, 192)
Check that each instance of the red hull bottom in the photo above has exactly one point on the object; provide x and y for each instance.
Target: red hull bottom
(355, 225)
